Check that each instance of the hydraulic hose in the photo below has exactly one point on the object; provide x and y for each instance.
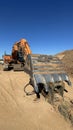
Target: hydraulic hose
(28, 93)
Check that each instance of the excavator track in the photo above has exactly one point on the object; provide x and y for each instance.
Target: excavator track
(18, 67)
(47, 74)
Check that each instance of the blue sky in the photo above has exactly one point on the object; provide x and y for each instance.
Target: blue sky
(46, 24)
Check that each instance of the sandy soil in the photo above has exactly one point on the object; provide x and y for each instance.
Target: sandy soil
(19, 111)
(67, 60)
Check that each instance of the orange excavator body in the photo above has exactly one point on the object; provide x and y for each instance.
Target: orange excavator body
(20, 51)
(22, 46)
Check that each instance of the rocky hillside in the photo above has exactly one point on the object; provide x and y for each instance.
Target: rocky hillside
(67, 59)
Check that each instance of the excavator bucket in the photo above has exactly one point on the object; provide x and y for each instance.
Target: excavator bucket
(47, 73)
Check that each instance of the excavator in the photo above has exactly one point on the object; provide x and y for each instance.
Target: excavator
(47, 73)
(17, 59)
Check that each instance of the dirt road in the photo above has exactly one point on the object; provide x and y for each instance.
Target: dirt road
(18, 111)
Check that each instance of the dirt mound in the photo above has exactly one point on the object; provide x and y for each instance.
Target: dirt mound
(67, 59)
(19, 111)
(66, 109)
